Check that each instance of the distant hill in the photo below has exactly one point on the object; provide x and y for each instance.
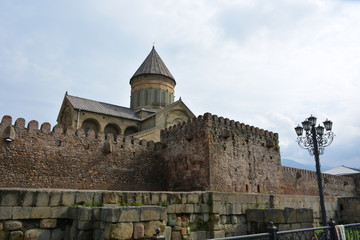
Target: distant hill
(295, 164)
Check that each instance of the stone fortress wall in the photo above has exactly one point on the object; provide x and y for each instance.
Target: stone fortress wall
(213, 153)
(45, 158)
(206, 153)
(85, 214)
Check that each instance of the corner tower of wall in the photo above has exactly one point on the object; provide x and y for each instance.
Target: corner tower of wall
(213, 153)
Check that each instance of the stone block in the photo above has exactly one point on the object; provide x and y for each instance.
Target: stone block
(98, 234)
(155, 198)
(59, 212)
(204, 208)
(198, 235)
(40, 212)
(5, 213)
(130, 214)
(21, 212)
(84, 225)
(16, 235)
(193, 198)
(149, 213)
(295, 226)
(255, 215)
(58, 234)
(290, 215)
(28, 198)
(12, 225)
(149, 228)
(284, 227)
(189, 208)
(48, 223)
(84, 235)
(96, 214)
(138, 231)
(110, 198)
(55, 198)
(274, 215)
(163, 214)
(167, 233)
(304, 215)
(84, 197)
(98, 197)
(68, 198)
(164, 197)
(237, 209)
(175, 235)
(119, 231)
(171, 208)
(37, 234)
(84, 213)
(4, 235)
(175, 198)
(42, 199)
(219, 234)
(184, 231)
(110, 214)
(10, 197)
(180, 208)
(306, 225)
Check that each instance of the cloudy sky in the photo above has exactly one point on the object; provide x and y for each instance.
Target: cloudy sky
(269, 64)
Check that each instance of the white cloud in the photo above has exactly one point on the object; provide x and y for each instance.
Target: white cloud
(265, 63)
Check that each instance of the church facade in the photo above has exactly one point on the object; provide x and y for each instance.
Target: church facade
(152, 106)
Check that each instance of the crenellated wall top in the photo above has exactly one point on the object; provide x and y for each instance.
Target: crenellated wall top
(32, 129)
(210, 120)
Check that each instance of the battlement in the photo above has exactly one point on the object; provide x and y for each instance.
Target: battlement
(212, 121)
(333, 185)
(32, 129)
(62, 158)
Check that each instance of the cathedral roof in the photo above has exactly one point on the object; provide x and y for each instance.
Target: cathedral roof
(153, 65)
(102, 108)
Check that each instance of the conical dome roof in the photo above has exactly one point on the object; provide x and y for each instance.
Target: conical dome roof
(153, 65)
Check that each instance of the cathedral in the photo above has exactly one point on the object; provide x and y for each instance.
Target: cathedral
(152, 106)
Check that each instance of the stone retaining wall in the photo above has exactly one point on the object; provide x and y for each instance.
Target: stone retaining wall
(80, 214)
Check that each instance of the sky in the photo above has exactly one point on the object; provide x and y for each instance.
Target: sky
(269, 64)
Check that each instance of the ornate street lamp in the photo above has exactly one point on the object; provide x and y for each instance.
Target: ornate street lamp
(315, 139)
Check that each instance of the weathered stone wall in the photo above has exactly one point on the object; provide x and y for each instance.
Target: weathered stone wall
(41, 158)
(213, 153)
(186, 156)
(80, 214)
(206, 153)
(300, 181)
(218, 154)
(349, 210)
(284, 219)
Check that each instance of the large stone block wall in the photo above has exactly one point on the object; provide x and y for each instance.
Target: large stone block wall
(80, 214)
(45, 158)
(349, 210)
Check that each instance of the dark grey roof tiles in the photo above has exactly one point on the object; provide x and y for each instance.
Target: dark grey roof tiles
(153, 65)
(102, 108)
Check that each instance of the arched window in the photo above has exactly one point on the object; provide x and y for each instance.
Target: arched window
(91, 124)
(112, 128)
(130, 130)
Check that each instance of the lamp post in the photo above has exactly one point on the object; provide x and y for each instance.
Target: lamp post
(315, 139)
